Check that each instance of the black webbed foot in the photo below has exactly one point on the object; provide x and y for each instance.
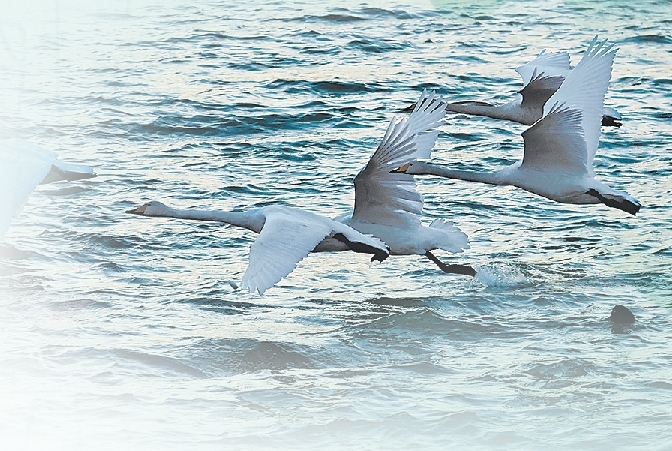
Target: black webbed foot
(464, 270)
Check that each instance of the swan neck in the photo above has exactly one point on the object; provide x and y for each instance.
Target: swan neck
(236, 218)
(482, 109)
(422, 168)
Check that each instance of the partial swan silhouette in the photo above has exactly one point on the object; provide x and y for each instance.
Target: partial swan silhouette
(23, 166)
(559, 149)
(542, 77)
(384, 221)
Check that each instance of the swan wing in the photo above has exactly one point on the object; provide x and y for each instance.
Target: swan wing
(556, 143)
(21, 170)
(381, 196)
(537, 92)
(550, 64)
(283, 242)
(287, 237)
(584, 89)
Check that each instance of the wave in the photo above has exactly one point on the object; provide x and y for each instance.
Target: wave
(649, 39)
(326, 87)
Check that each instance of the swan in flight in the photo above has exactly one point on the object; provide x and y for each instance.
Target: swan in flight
(23, 166)
(384, 221)
(542, 77)
(286, 236)
(559, 148)
(387, 204)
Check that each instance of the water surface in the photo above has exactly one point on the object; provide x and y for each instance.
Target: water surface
(124, 332)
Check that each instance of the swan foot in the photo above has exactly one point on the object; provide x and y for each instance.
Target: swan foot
(615, 201)
(611, 121)
(362, 248)
(464, 270)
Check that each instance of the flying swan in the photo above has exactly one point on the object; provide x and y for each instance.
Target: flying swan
(541, 78)
(559, 148)
(23, 166)
(384, 220)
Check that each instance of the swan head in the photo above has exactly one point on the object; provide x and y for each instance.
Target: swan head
(153, 208)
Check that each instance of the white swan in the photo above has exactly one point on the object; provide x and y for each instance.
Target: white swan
(541, 78)
(559, 149)
(23, 166)
(286, 236)
(387, 204)
(384, 220)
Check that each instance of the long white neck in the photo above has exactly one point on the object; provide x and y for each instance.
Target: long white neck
(509, 111)
(422, 168)
(252, 219)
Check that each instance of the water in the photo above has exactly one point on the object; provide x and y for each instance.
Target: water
(119, 332)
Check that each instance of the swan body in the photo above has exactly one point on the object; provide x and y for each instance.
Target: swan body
(24, 166)
(542, 77)
(385, 219)
(286, 236)
(559, 148)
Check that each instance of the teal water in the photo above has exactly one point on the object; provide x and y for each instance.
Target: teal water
(118, 332)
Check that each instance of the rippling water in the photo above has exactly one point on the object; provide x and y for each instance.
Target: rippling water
(118, 332)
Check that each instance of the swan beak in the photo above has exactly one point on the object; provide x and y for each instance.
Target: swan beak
(137, 211)
(401, 169)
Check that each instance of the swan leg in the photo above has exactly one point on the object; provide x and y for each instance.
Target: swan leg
(465, 270)
(362, 248)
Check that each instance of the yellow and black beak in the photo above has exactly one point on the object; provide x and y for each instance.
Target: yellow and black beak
(401, 169)
(137, 211)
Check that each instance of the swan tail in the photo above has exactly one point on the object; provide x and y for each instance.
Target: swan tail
(455, 239)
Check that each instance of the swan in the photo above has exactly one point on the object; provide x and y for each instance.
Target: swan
(384, 220)
(23, 166)
(387, 204)
(542, 77)
(286, 236)
(559, 148)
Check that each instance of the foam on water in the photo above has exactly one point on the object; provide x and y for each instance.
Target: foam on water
(121, 332)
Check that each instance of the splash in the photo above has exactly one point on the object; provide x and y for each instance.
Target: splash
(501, 276)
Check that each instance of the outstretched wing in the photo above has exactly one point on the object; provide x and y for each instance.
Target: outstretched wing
(283, 242)
(584, 89)
(21, 170)
(287, 237)
(556, 143)
(550, 64)
(537, 92)
(381, 196)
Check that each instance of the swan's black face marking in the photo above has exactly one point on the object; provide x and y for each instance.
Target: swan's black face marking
(610, 121)
(362, 248)
(616, 202)
(464, 270)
